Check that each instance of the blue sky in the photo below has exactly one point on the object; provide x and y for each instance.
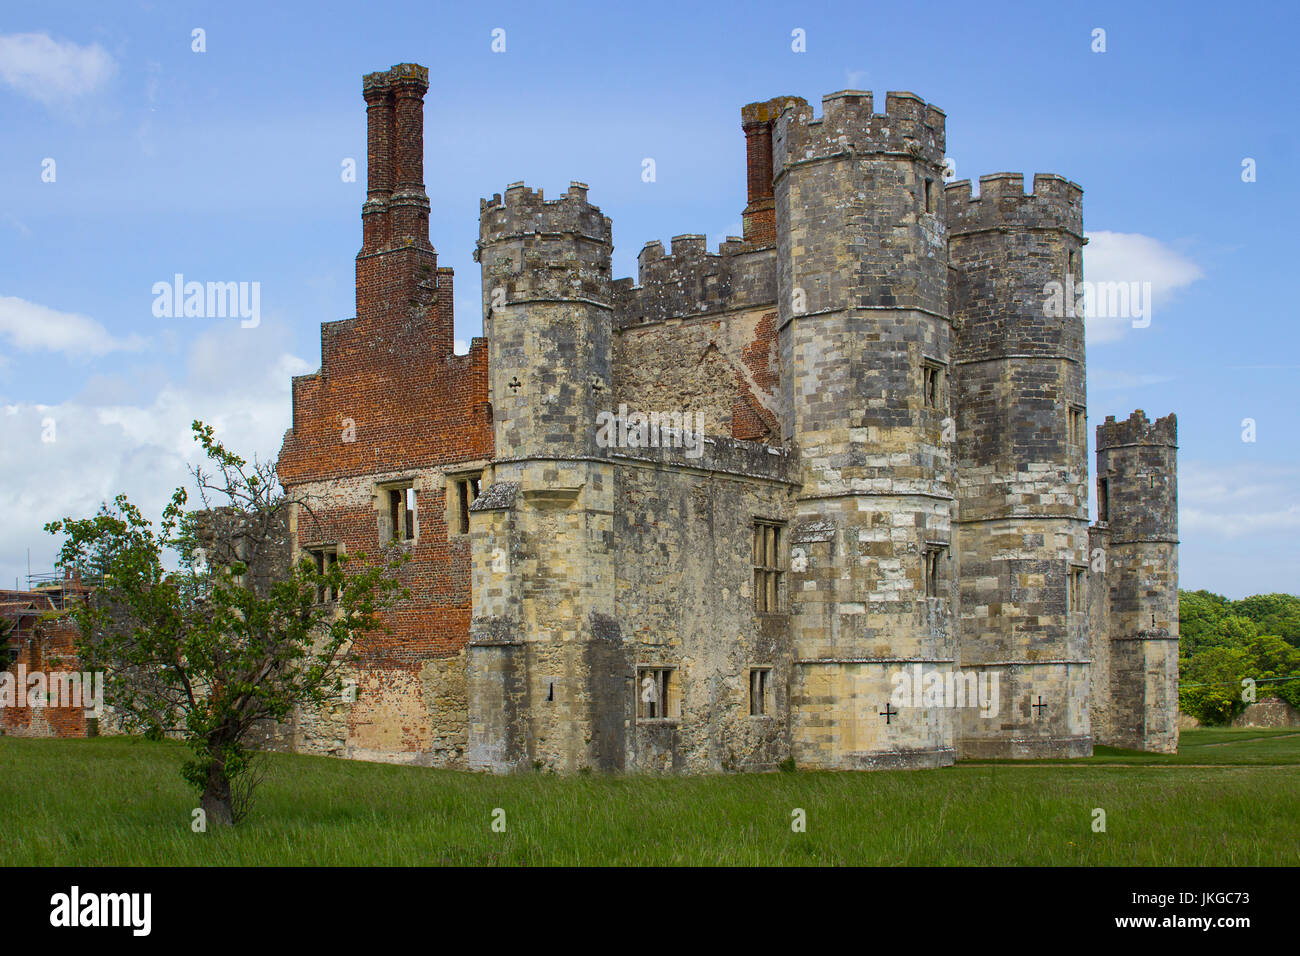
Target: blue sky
(225, 165)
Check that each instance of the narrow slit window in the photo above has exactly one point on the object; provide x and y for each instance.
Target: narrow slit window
(932, 383)
(465, 490)
(462, 494)
(759, 688)
(935, 555)
(1076, 590)
(324, 558)
(395, 512)
(768, 568)
(1077, 430)
(1103, 499)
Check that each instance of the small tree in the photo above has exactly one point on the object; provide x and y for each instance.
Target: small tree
(231, 633)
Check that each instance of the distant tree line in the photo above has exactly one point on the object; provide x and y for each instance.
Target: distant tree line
(1225, 644)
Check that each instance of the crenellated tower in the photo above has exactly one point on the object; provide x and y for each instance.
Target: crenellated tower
(1137, 503)
(546, 677)
(865, 352)
(547, 313)
(1022, 468)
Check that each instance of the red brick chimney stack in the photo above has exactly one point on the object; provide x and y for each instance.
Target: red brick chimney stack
(409, 207)
(757, 120)
(760, 212)
(379, 170)
(397, 267)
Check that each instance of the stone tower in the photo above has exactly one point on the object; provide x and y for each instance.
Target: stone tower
(864, 344)
(1022, 462)
(1137, 652)
(542, 641)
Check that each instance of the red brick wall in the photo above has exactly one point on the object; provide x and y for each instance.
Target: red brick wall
(50, 648)
(750, 421)
(392, 400)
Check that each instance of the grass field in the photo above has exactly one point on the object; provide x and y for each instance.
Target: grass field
(1231, 797)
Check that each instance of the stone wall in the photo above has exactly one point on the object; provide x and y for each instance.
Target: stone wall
(698, 334)
(1269, 712)
(684, 580)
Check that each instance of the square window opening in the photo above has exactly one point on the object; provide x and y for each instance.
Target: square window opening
(401, 514)
(657, 695)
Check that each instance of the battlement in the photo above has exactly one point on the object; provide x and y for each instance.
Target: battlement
(1055, 203)
(687, 249)
(526, 212)
(531, 247)
(908, 127)
(1137, 430)
(691, 280)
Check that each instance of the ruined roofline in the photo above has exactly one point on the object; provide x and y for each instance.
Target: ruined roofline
(1137, 430)
(1054, 202)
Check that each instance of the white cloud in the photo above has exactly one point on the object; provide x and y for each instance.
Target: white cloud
(460, 347)
(141, 448)
(51, 71)
(31, 327)
(1130, 257)
(1238, 500)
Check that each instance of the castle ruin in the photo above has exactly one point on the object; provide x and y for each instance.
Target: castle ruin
(847, 446)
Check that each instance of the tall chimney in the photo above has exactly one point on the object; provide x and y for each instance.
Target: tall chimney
(397, 267)
(409, 207)
(379, 168)
(757, 120)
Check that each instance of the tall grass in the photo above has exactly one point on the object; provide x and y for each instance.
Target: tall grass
(116, 801)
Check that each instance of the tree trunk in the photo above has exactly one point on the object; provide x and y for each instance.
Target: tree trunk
(216, 797)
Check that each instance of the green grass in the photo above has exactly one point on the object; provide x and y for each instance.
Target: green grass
(1220, 746)
(116, 801)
